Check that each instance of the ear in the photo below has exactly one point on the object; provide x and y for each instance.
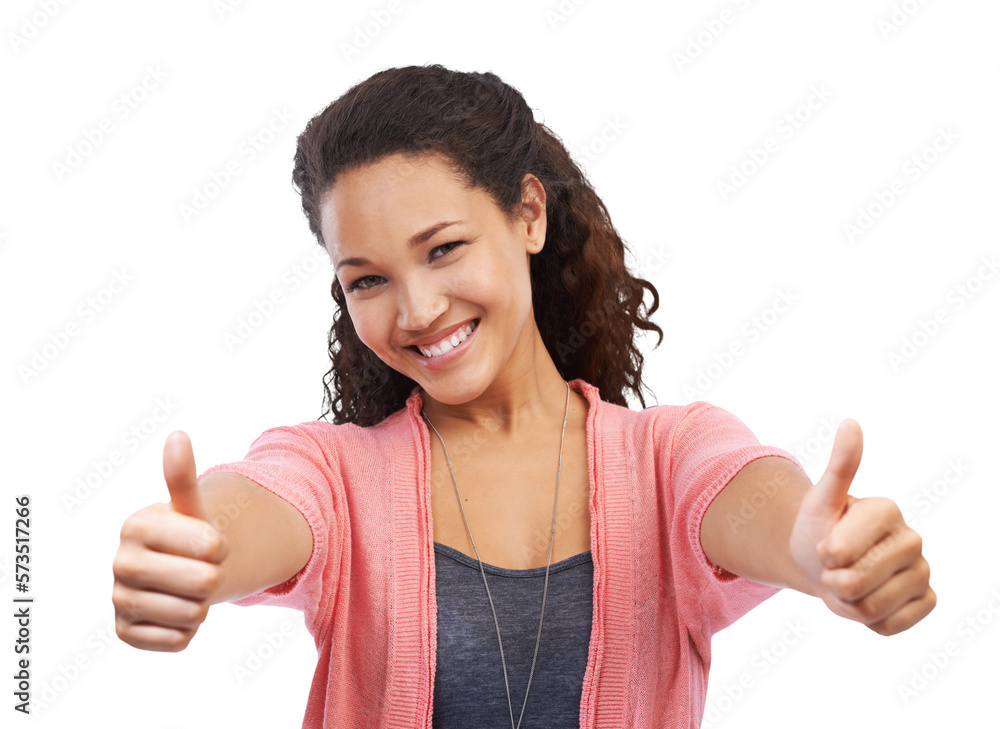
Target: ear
(533, 212)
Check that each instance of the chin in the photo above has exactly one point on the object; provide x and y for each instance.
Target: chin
(447, 394)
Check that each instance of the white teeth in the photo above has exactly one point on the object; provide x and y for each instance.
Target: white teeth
(447, 344)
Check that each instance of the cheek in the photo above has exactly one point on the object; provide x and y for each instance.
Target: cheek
(368, 324)
(516, 278)
(504, 280)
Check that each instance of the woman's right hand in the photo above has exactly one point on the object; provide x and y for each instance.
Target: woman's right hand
(169, 562)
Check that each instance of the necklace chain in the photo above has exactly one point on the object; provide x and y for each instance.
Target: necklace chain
(482, 571)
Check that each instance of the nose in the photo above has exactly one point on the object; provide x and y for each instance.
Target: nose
(419, 306)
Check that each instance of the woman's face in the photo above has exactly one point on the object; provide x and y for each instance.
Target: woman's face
(422, 260)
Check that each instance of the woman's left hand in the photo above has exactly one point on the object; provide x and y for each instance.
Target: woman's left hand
(864, 561)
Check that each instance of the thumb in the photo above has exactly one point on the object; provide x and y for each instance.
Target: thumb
(180, 475)
(829, 496)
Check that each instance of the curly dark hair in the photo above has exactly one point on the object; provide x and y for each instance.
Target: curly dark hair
(587, 305)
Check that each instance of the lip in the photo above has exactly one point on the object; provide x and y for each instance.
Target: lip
(438, 336)
(436, 363)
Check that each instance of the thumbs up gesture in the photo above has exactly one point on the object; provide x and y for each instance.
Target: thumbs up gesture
(181, 476)
(169, 561)
(864, 559)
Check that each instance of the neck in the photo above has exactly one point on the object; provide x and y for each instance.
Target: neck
(516, 402)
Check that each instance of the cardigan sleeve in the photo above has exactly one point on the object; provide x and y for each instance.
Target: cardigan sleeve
(708, 447)
(297, 464)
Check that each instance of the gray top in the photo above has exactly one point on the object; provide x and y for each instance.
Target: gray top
(468, 683)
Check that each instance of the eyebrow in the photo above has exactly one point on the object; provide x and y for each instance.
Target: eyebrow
(415, 240)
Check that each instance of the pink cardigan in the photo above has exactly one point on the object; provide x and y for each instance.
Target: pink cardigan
(367, 591)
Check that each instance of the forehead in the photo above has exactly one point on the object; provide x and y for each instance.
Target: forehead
(394, 198)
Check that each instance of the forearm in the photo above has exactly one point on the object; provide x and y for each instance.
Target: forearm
(772, 525)
(747, 527)
(269, 540)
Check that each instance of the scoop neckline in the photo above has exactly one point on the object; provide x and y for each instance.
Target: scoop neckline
(464, 559)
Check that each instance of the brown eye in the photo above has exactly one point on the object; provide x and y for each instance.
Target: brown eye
(445, 249)
(357, 284)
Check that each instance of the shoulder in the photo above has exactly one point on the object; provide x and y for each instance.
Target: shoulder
(672, 421)
(658, 422)
(339, 451)
(659, 439)
(336, 437)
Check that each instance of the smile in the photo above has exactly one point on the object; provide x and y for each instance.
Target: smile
(445, 345)
(442, 353)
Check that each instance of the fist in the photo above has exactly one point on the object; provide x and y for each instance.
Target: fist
(864, 561)
(169, 562)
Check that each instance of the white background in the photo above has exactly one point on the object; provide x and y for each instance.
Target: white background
(718, 261)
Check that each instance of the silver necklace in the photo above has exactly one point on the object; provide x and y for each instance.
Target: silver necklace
(482, 571)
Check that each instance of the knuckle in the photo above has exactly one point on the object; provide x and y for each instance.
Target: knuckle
(207, 580)
(829, 580)
(884, 508)
(179, 640)
(865, 610)
(212, 544)
(931, 599)
(126, 614)
(118, 595)
(889, 509)
(924, 571)
(136, 526)
(223, 548)
(125, 568)
(914, 543)
(885, 627)
(850, 586)
(195, 613)
(131, 528)
(202, 613)
(838, 553)
(205, 543)
(116, 565)
(125, 633)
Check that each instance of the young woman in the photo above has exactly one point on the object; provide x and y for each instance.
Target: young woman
(487, 533)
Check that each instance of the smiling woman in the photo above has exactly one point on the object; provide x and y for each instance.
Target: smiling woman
(468, 274)
(382, 169)
(482, 296)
